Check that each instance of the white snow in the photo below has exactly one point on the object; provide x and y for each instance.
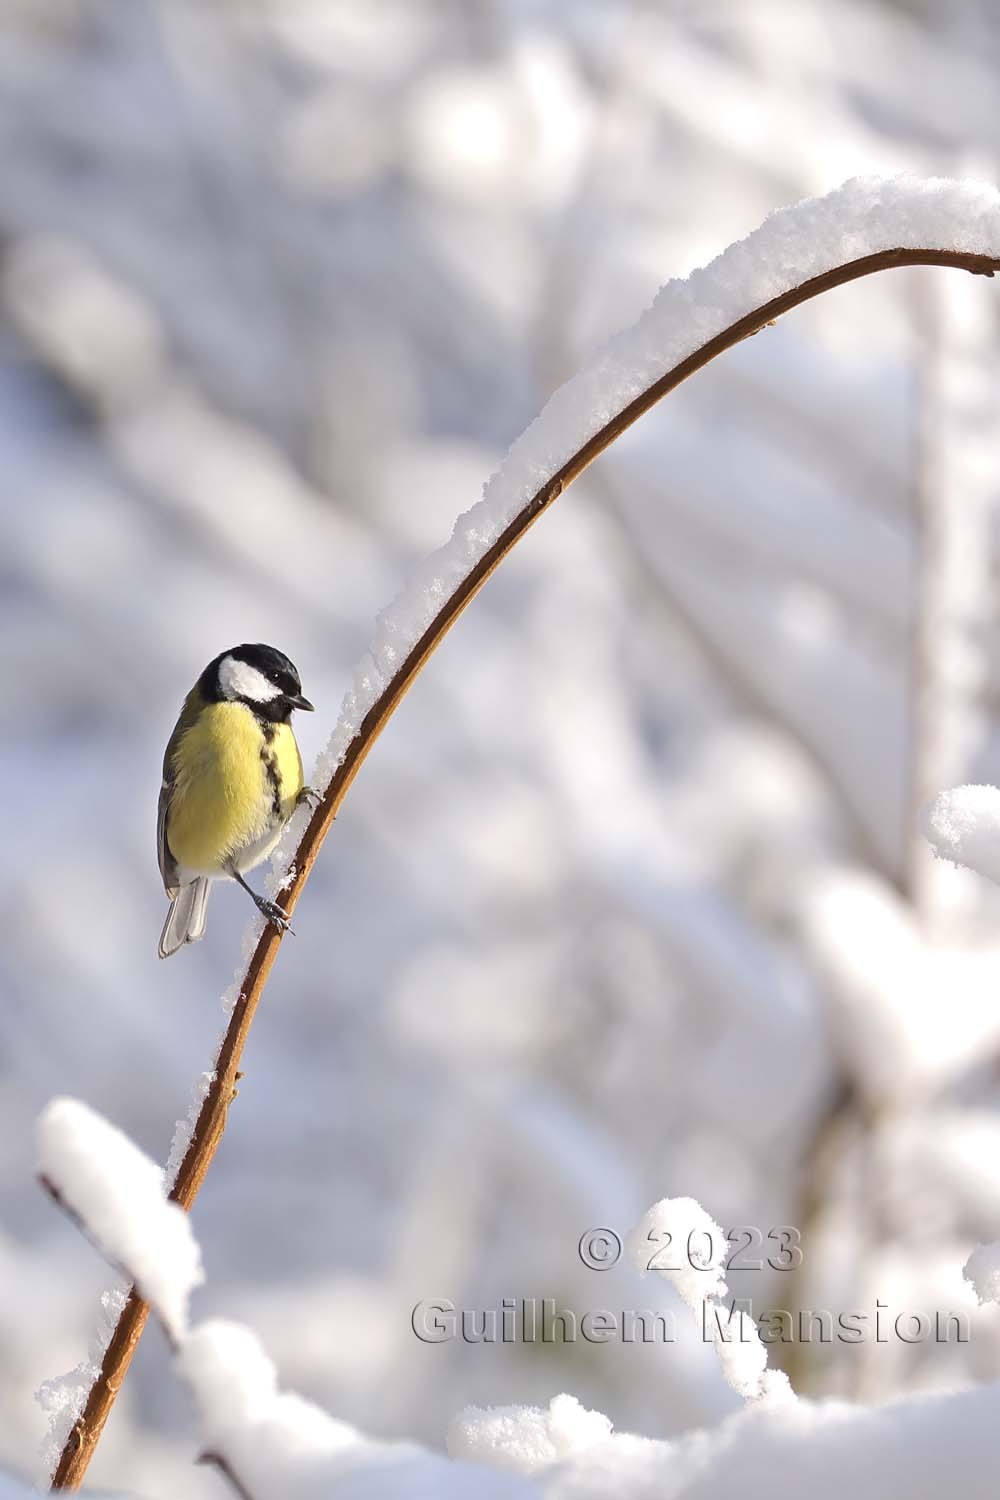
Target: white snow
(244, 1416)
(684, 1244)
(281, 1447)
(963, 825)
(680, 1240)
(117, 1193)
(923, 1447)
(526, 1438)
(982, 1271)
(793, 245)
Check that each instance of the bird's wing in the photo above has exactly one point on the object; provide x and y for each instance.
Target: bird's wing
(168, 865)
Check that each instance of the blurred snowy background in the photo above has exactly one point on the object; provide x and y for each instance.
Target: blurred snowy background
(628, 901)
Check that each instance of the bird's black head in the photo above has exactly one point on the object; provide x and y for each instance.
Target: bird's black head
(259, 676)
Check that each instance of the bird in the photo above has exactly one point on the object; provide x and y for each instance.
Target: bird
(232, 777)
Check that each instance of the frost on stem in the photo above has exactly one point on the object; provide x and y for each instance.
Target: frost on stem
(63, 1397)
(184, 1129)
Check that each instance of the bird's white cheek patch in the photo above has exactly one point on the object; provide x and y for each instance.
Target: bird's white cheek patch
(238, 679)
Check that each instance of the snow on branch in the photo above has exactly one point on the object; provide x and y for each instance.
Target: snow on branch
(283, 1447)
(678, 1239)
(865, 217)
(117, 1195)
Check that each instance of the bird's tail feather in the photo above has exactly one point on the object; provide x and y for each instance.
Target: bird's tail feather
(186, 918)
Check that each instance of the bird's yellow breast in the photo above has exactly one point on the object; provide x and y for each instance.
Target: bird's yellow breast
(235, 785)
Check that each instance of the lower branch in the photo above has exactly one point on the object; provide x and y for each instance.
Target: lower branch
(218, 1462)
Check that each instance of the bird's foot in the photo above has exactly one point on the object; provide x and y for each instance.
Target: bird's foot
(274, 914)
(310, 795)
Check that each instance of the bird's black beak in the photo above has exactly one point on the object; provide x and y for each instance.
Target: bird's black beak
(297, 701)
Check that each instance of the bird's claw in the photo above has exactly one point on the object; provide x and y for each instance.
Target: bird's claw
(308, 794)
(274, 914)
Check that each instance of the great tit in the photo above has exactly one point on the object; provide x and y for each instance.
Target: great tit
(232, 776)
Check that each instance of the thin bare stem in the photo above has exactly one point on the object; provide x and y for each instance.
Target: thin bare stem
(222, 1464)
(212, 1118)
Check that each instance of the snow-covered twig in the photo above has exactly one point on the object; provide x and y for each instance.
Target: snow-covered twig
(677, 1238)
(866, 226)
(116, 1196)
(956, 424)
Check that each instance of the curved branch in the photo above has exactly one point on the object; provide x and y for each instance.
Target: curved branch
(211, 1120)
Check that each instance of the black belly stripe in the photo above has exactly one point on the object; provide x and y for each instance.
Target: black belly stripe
(271, 767)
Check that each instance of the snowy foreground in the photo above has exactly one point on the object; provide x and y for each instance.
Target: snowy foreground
(273, 1445)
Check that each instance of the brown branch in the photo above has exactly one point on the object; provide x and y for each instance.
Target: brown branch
(211, 1120)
